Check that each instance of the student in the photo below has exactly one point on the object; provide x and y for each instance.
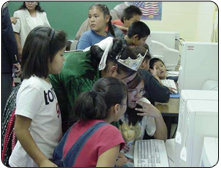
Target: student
(130, 15)
(99, 18)
(37, 110)
(158, 69)
(30, 15)
(140, 117)
(115, 13)
(105, 103)
(137, 34)
(155, 91)
(83, 68)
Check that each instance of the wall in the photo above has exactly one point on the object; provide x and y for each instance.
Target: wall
(205, 21)
(192, 19)
(67, 16)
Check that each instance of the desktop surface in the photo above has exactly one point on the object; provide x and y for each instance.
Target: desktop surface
(169, 109)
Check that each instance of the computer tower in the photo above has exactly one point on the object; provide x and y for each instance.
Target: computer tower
(199, 63)
(201, 121)
(186, 95)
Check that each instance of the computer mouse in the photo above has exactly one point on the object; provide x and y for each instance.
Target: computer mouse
(145, 100)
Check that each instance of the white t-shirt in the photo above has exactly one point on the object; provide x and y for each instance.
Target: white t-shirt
(36, 100)
(132, 133)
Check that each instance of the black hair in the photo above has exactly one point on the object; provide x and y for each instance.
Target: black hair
(153, 61)
(68, 46)
(117, 49)
(130, 12)
(40, 48)
(96, 104)
(38, 7)
(130, 113)
(138, 28)
(135, 82)
(140, 49)
(103, 8)
(124, 52)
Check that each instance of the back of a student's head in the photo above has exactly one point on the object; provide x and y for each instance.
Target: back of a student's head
(117, 50)
(40, 48)
(130, 12)
(138, 28)
(97, 103)
(141, 50)
(144, 52)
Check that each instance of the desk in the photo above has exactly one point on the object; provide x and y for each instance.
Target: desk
(169, 111)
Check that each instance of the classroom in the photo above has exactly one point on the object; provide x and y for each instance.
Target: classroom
(110, 84)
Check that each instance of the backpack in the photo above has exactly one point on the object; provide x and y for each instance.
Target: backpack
(8, 119)
(68, 161)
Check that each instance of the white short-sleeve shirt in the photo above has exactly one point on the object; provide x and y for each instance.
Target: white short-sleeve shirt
(36, 100)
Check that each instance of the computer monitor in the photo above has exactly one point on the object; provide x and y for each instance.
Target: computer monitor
(199, 63)
(169, 56)
(170, 39)
(201, 121)
(209, 155)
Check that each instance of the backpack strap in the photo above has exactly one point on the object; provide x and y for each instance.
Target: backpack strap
(74, 151)
(58, 151)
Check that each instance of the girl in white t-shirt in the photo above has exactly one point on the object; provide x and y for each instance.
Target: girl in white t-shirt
(138, 119)
(38, 119)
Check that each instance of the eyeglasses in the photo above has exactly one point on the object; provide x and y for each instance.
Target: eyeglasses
(135, 92)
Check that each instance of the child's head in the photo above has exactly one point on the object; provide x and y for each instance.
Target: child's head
(135, 91)
(130, 15)
(43, 52)
(144, 52)
(158, 64)
(138, 32)
(113, 67)
(99, 18)
(106, 101)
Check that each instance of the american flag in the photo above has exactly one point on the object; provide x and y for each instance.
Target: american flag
(148, 8)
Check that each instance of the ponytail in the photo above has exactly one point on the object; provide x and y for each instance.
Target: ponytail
(110, 27)
(89, 105)
(97, 103)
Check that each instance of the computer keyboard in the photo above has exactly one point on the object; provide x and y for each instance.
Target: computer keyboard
(169, 83)
(150, 153)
